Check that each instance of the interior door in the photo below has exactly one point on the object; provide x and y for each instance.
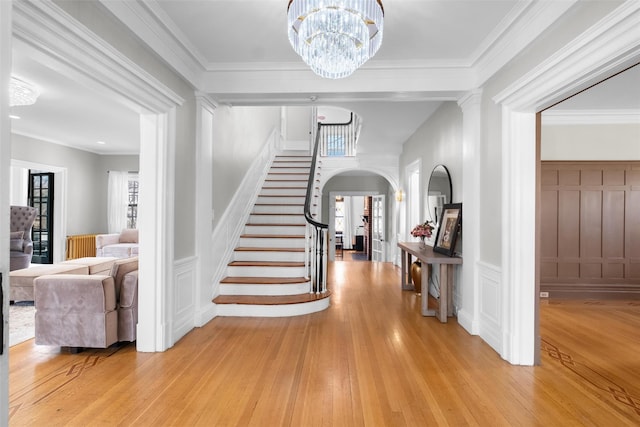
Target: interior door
(378, 228)
(41, 198)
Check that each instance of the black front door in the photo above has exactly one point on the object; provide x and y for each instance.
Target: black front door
(41, 198)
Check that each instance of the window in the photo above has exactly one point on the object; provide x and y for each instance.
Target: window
(132, 205)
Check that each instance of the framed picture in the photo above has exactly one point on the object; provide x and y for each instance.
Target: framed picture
(448, 230)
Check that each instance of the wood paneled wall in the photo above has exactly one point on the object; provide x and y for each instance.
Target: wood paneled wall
(590, 228)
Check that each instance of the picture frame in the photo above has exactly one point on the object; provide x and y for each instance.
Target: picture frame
(448, 230)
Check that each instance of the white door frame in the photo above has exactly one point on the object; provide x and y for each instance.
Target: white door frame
(332, 215)
(84, 57)
(383, 241)
(608, 47)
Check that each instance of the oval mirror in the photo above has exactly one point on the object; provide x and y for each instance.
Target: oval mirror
(439, 192)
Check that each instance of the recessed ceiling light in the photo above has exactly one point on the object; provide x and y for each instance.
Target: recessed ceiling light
(13, 116)
(100, 142)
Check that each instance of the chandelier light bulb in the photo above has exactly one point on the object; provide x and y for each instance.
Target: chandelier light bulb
(335, 37)
(22, 93)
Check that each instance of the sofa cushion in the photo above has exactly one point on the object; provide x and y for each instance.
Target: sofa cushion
(120, 250)
(129, 235)
(120, 268)
(16, 244)
(16, 235)
(96, 265)
(129, 290)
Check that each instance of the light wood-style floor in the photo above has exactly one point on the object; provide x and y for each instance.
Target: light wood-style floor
(370, 359)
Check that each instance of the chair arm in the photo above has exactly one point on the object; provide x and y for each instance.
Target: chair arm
(27, 248)
(75, 293)
(103, 240)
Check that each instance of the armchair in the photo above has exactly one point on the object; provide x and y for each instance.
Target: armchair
(21, 245)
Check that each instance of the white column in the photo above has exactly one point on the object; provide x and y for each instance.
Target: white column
(518, 236)
(469, 297)
(155, 224)
(205, 309)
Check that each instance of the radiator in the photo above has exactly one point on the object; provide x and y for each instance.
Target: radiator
(81, 245)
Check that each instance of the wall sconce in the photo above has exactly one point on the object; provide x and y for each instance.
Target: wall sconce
(399, 196)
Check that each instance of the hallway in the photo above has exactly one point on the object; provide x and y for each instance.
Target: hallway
(370, 359)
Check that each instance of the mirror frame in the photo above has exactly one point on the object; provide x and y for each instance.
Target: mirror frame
(450, 199)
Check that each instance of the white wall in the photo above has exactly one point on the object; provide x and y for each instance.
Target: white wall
(591, 142)
(239, 135)
(437, 141)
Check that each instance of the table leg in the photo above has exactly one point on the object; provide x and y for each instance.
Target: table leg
(450, 290)
(444, 293)
(407, 284)
(425, 291)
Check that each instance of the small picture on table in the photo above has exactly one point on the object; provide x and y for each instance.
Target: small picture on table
(448, 230)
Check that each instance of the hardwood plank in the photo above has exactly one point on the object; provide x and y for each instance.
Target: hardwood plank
(370, 359)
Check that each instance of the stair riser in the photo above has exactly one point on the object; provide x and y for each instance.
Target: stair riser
(279, 209)
(304, 171)
(289, 175)
(259, 271)
(274, 230)
(298, 200)
(277, 219)
(268, 256)
(281, 289)
(289, 191)
(271, 243)
(286, 310)
(281, 183)
(291, 164)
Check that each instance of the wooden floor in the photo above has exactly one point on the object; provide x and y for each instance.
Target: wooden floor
(370, 359)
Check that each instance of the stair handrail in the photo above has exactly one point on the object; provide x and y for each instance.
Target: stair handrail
(317, 260)
(316, 233)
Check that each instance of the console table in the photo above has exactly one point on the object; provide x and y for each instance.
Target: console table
(427, 256)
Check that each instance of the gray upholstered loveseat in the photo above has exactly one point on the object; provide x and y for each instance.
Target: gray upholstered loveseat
(93, 311)
(21, 246)
(119, 245)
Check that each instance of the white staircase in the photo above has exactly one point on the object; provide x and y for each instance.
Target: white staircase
(267, 276)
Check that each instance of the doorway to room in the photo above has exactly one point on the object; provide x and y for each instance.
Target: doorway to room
(41, 197)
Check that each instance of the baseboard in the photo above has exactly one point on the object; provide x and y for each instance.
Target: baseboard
(591, 291)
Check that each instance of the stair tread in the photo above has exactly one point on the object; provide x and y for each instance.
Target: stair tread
(272, 236)
(242, 280)
(266, 264)
(269, 299)
(262, 249)
(277, 214)
(254, 224)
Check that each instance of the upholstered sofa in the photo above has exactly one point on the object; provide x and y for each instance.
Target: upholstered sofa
(93, 311)
(119, 245)
(21, 246)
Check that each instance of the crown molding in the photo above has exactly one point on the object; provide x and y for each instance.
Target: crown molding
(590, 117)
(617, 34)
(85, 56)
(526, 22)
(151, 24)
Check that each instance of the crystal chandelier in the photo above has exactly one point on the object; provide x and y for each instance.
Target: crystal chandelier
(335, 37)
(22, 93)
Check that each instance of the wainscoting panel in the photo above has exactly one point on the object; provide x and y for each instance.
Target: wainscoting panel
(490, 294)
(590, 243)
(184, 300)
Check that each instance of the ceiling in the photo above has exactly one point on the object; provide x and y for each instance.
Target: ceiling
(431, 37)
